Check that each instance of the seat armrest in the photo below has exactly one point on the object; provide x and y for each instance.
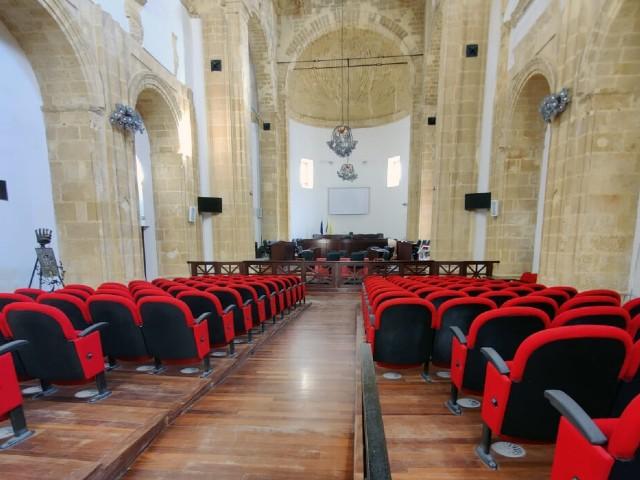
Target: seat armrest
(248, 301)
(12, 346)
(494, 357)
(229, 309)
(202, 317)
(262, 297)
(576, 416)
(459, 335)
(93, 328)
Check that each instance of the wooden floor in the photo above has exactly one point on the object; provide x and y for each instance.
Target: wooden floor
(77, 440)
(286, 413)
(425, 441)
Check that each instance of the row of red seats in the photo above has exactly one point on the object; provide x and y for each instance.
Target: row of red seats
(63, 337)
(509, 354)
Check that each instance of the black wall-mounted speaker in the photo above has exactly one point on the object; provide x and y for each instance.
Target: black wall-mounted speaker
(472, 50)
(4, 195)
(216, 65)
(431, 120)
(266, 126)
(209, 205)
(477, 201)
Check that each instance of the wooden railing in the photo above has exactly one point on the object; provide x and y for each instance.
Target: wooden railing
(330, 275)
(374, 445)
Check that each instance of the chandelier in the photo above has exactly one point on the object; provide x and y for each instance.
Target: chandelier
(342, 142)
(347, 172)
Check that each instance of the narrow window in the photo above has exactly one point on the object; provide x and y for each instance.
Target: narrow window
(394, 172)
(306, 173)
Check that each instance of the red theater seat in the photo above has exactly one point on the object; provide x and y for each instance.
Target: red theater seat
(81, 294)
(56, 352)
(588, 301)
(80, 286)
(503, 329)
(123, 339)
(242, 317)
(598, 315)
(499, 296)
(8, 298)
(629, 387)
(586, 361)
(10, 395)
(559, 295)
(29, 292)
(602, 449)
(402, 333)
(546, 304)
(73, 307)
(633, 307)
(601, 292)
(457, 312)
(172, 334)
(220, 322)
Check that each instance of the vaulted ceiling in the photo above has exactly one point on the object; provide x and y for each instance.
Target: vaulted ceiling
(378, 77)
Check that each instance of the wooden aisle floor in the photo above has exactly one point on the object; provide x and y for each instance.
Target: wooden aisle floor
(287, 413)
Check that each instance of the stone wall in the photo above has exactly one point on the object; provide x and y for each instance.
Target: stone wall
(84, 63)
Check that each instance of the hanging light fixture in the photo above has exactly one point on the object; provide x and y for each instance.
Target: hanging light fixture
(342, 142)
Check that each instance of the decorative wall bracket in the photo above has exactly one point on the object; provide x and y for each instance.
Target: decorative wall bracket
(126, 118)
(554, 104)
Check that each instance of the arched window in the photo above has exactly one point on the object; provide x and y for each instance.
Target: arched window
(306, 173)
(394, 172)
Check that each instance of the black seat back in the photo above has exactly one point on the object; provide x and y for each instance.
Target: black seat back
(165, 329)
(405, 333)
(123, 338)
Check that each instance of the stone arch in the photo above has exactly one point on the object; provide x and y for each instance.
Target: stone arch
(609, 168)
(262, 56)
(354, 17)
(73, 107)
(170, 173)
(515, 179)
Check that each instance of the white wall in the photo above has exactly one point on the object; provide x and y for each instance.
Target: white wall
(115, 8)
(146, 205)
(24, 165)
(160, 20)
(387, 209)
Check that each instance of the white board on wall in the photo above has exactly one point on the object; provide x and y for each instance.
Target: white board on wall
(349, 201)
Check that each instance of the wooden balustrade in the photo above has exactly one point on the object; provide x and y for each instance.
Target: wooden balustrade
(343, 274)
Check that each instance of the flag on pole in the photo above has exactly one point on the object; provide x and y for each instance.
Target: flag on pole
(321, 230)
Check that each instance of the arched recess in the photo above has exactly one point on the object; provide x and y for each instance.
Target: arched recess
(73, 109)
(610, 167)
(174, 235)
(515, 180)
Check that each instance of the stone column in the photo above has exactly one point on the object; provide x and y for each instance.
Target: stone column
(229, 109)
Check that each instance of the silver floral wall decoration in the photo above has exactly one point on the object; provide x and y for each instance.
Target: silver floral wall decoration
(554, 104)
(126, 118)
(347, 172)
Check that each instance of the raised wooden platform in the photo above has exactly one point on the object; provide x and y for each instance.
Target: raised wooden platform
(425, 441)
(287, 413)
(77, 440)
